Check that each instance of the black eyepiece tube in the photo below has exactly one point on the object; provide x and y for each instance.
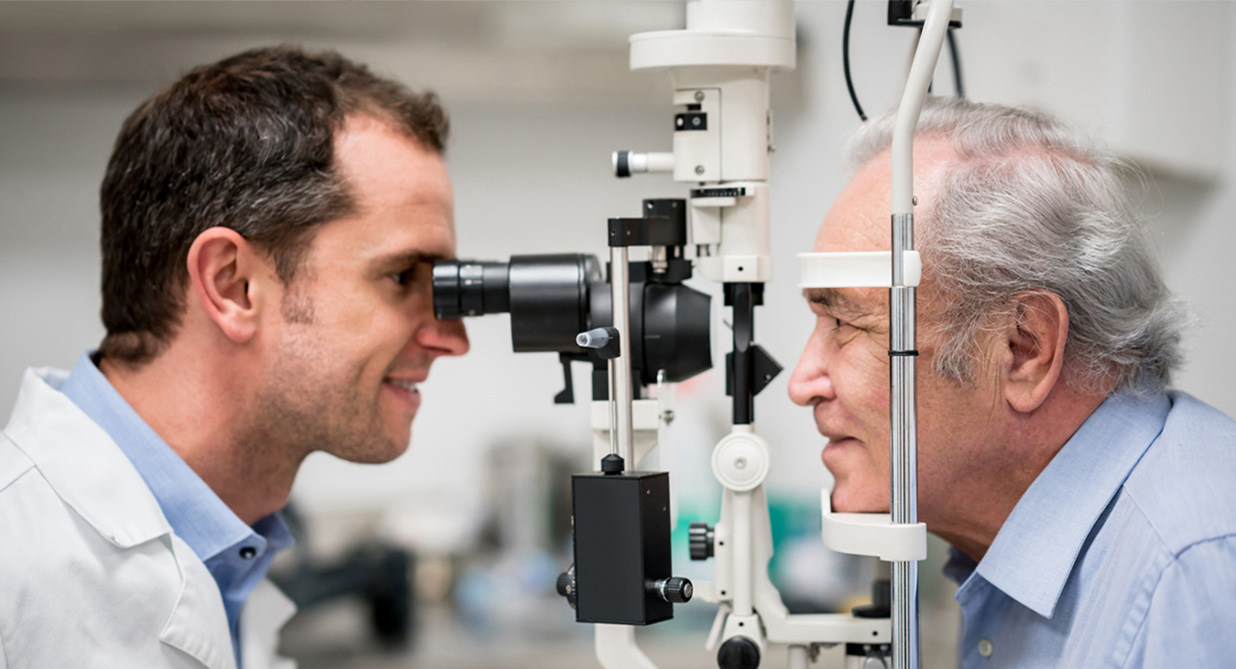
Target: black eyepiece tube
(546, 295)
(553, 298)
(470, 288)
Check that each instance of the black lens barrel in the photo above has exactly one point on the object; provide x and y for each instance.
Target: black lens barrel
(470, 288)
(549, 300)
(552, 298)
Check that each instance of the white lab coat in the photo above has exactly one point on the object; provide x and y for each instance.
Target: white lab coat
(91, 574)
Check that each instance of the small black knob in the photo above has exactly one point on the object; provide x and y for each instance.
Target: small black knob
(612, 464)
(566, 585)
(675, 589)
(701, 538)
(738, 653)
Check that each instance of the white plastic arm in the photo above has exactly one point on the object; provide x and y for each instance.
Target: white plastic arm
(915, 93)
(616, 648)
(856, 269)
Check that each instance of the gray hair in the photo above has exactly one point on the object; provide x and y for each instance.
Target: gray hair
(1030, 208)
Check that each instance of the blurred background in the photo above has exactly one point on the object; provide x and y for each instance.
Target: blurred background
(452, 550)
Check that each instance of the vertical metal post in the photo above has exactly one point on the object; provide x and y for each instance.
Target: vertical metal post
(903, 443)
(619, 282)
(902, 349)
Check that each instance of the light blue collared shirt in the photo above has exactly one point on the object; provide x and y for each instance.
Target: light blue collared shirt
(237, 556)
(1122, 553)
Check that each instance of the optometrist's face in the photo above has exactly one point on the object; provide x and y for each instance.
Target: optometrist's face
(358, 332)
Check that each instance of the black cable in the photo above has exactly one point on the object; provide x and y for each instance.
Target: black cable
(952, 49)
(845, 59)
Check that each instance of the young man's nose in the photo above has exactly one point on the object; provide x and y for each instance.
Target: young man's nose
(444, 337)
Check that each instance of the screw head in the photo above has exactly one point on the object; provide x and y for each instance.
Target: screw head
(740, 463)
(699, 96)
(699, 169)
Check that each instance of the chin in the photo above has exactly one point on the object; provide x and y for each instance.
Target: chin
(374, 452)
(849, 498)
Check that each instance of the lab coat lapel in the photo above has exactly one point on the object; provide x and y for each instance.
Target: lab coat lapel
(266, 611)
(82, 463)
(92, 475)
(198, 624)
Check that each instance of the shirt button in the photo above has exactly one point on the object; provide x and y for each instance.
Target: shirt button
(248, 552)
(986, 648)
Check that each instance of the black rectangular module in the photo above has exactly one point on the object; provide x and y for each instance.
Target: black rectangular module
(691, 121)
(622, 547)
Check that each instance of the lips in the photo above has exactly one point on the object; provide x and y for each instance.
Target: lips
(832, 435)
(406, 384)
(405, 388)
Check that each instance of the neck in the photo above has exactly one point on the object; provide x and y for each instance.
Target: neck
(975, 512)
(195, 403)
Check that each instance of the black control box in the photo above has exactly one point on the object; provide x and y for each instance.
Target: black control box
(622, 547)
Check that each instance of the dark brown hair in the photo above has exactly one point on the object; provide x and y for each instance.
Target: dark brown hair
(247, 144)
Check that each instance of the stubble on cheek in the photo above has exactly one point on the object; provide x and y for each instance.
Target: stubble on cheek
(309, 404)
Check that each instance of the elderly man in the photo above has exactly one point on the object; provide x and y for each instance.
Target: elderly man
(269, 226)
(1092, 513)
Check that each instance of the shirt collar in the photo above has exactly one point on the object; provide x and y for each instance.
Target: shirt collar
(1034, 552)
(194, 511)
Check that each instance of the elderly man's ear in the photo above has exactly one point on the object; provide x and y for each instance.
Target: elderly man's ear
(1032, 349)
(229, 280)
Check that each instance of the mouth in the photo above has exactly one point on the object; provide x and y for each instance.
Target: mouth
(837, 443)
(405, 390)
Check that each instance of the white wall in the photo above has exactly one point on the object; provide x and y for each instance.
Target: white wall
(533, 177)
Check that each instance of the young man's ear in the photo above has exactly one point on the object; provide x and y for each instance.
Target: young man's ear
(1035, 339)
(224, 272)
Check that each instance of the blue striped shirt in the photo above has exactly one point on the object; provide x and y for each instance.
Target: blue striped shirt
(238, 556)
(1122, 553)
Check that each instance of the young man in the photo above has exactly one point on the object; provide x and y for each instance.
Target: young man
(269, 226)
(1091, 511)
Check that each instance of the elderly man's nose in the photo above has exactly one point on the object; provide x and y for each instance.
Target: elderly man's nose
(811, 379)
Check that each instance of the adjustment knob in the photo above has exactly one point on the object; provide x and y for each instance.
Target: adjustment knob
(738, 653)
(701, 538)
(675, 590)
(566, 585)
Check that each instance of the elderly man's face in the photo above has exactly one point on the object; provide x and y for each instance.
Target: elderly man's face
(843, 374)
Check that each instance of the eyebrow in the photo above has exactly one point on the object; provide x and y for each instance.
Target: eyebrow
(403, 259)
(833, 300)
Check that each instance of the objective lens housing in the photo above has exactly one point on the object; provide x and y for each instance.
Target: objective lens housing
(553, 298)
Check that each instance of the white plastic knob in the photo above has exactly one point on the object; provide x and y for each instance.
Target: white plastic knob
(740, 461)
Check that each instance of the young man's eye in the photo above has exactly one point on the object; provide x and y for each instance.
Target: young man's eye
(405, 277)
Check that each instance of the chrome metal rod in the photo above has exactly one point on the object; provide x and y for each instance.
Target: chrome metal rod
(903, 445)
(902, 346)
(905, 615)
(612, 368)
(619, 292)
